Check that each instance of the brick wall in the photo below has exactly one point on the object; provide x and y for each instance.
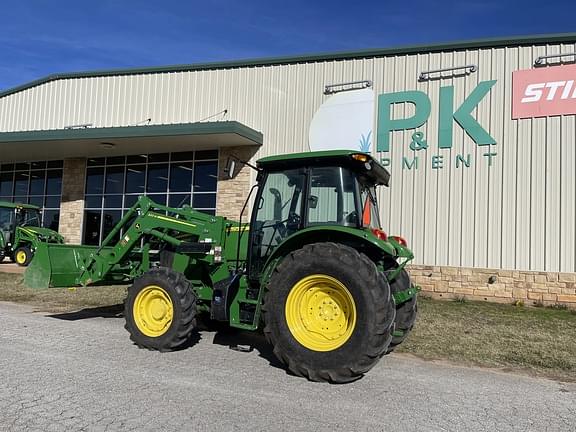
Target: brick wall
(72, 207)
(232, 192)
(501, 286)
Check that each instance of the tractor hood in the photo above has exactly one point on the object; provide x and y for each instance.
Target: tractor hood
(43, 234)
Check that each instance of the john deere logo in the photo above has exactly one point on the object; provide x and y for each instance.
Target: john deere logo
(448, 114)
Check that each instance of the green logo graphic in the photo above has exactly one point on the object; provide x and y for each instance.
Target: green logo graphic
(447, 115)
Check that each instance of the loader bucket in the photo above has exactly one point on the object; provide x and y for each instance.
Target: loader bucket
(56, 265)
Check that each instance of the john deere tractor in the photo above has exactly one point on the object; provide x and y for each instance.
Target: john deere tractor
(313, 267)
(21, 232)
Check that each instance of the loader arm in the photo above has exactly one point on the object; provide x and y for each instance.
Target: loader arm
(186, 233)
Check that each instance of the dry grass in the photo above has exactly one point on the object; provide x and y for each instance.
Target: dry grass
(13, 289)
(535, 340)
(540, 341)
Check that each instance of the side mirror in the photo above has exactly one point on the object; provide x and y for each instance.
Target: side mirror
(230, 168)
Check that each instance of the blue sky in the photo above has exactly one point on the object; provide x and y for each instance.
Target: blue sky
(39, 38)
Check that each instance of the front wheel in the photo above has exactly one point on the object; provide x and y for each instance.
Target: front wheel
(160, 310)
(328, 313)
(406, 312)
(23, 255)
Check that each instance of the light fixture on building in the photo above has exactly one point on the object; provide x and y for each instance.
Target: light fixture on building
(107, 145)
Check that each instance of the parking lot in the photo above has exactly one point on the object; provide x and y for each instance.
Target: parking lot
(79, 371)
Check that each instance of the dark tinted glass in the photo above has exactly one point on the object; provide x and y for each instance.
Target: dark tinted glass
(110, 219)
(113, 201)
(22, 166)
(135, 178)
(51, 219)
(7, 167)
(53, 182)
(114, 179)
(36, 200)
(55, 164)
(207, 154)
(205, 177)
(181, 177)
(116, 160)
(159, 157)
(130, 200)
(94, 180)
(158, 199)
(94, 201)
(95, 161)
(157, 178)
(178, 200)
(38, 165)
(201, 201)
(6, 183)
(37, 180)
(182, 156)
(21, 183)
(52, 201)
(137, 159)
(92, 221)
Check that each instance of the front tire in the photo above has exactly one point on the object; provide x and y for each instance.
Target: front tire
(406, 312)
(23, 255)
(328, 313)
(160, 310)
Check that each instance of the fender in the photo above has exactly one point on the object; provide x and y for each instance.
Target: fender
(360, 239)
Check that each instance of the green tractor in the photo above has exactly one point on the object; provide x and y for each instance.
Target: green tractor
(313, 267)
(21, 232)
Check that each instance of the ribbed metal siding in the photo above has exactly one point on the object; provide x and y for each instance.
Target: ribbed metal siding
(517, 214)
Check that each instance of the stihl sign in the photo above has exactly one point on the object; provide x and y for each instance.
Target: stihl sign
(544, 92)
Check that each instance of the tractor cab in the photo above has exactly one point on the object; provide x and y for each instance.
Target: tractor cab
(310, 190)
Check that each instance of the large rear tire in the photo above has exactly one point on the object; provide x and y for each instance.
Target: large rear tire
(328, 313)
(160, 310)
(406, 312)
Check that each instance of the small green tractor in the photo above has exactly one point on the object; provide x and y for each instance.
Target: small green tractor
(313, 267)
(21, 232)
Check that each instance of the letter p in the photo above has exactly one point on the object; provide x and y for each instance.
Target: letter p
(386, 124)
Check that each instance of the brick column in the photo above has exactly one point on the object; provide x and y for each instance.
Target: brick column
(72, 206)
(232, 192)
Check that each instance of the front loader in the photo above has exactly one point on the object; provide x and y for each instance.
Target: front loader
(313, 267)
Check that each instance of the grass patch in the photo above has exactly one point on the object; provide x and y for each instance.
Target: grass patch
(536, 340)
(13, 289)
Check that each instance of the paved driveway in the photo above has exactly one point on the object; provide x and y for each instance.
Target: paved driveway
(80, 372)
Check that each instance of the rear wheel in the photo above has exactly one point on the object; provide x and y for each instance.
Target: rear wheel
(160, 310)
(328, 313)
(405, 312)
(23, 255)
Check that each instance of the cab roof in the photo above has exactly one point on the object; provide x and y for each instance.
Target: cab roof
(367, 166)
(8, 204)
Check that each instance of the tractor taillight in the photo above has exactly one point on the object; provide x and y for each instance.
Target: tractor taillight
(400, 240)
(380, 234)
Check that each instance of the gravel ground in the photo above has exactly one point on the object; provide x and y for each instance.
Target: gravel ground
(79, 371)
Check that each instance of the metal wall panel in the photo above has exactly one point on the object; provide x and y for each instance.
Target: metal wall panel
(518, 213)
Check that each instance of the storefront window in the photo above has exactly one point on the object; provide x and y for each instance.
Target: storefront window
(114, 184)
(36, 183)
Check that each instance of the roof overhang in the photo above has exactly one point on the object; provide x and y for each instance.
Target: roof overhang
(98, 142)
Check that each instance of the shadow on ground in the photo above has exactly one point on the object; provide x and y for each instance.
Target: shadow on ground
(114, 311)
(234, 339)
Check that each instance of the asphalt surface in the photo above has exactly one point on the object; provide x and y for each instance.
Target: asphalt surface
(80, 372)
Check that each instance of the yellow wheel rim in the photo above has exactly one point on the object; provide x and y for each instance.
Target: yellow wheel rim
(21, 257)
(320, 313)
(153, 311)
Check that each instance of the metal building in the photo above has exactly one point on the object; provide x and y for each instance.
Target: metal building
(479, 136)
